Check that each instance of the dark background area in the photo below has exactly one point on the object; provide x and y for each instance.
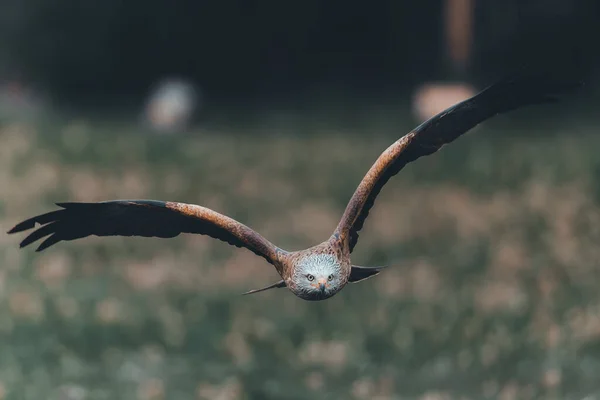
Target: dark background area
(240, 50)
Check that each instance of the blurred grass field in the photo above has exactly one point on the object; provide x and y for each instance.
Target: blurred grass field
(492, 289)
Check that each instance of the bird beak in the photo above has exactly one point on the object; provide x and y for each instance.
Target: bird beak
(322, 285)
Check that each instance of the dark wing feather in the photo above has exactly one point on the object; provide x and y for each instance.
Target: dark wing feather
(148, 218)
(506, 95)
(359, 274)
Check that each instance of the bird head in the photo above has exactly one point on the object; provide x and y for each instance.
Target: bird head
(317, 277)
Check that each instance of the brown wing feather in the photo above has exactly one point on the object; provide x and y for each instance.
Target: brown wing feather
(505, 95)
(148, 218)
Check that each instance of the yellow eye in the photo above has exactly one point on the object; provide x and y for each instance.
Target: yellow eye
(330, 278)
(310, 277)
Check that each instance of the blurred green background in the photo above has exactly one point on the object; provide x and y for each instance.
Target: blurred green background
(492, 243)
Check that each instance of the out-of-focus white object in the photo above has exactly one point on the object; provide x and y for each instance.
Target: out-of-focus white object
(171, 105)
(433, 98)
(19, 100)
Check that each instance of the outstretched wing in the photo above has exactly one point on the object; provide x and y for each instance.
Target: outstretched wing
(149, 218)
(506, 95)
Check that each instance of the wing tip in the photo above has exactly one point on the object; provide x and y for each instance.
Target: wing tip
(41, 219)
(252, 292)
(22, 226)
(275, 285)
(360, 274)
(49, 241)
(527, 86)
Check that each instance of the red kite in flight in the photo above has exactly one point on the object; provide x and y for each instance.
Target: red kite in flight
(319, 272)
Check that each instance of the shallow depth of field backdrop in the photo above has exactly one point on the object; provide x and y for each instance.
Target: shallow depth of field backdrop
(493, 285)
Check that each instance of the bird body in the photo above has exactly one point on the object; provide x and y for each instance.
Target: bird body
(321, 271)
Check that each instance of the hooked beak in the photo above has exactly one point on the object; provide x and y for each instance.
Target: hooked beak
(322, 285)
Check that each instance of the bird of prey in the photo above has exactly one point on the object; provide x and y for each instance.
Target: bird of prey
(321, 271)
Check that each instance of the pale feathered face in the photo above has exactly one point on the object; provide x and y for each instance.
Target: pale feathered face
(317, 277)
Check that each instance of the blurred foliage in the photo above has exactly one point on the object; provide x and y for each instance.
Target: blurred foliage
(491, 290)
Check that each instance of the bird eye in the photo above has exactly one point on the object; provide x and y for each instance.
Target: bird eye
(330, 278)
(310, 277)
